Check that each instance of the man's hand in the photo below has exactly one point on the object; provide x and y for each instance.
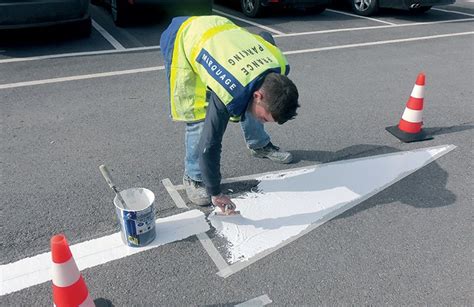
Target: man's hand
(224, 203)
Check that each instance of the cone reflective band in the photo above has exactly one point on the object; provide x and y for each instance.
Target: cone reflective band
(411, 121)
(409, 127)
(69, 288)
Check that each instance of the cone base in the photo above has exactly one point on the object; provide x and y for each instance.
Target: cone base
(408, 137)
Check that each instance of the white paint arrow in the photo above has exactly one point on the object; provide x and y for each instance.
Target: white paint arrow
(292, 203)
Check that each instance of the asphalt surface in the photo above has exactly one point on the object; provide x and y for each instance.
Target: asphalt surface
(411, 244)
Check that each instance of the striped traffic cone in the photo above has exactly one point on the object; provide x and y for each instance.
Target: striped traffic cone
(69, 288)
(409, 127)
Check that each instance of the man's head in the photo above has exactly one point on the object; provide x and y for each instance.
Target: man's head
(276, 100)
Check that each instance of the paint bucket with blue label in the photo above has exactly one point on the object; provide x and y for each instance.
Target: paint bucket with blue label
(137, 219)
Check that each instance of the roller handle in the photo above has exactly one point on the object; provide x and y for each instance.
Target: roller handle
(105, 172)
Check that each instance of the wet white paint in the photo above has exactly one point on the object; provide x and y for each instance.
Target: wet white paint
(136, 199)
(288, 203)
(35, 270)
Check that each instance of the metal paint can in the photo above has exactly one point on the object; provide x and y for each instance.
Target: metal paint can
(137, 221)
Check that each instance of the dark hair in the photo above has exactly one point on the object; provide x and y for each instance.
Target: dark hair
(281, 97)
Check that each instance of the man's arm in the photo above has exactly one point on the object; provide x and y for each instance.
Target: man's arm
(210, 144)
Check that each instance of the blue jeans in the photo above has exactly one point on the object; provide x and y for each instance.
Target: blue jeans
(254, 134)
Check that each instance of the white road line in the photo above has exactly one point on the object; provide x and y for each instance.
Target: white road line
(212, 251)
(249, 22)
(77, 54)
(374, 27)
(81, 77)
(156, 68)
(335, 31)
(358, 16)
(455, 12)
(412, 39)
(178, 200)
(206, 242)
(258, 301)
(35, 270)
(101, 52)
(107, 36)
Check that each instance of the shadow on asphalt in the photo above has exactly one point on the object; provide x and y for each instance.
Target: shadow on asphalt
(102, 302)
(351, 152)
(446, 130)
(364, 150)
(425, 189)
(414, 190)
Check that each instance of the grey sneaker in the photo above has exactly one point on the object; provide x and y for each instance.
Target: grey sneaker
(273, 153)
(196, 191)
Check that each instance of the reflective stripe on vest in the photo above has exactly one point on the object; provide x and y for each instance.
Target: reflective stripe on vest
(176, 108)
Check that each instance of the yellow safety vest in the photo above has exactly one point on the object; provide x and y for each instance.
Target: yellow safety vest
(211, 51)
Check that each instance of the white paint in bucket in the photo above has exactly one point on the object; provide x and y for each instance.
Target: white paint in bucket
(137, 221)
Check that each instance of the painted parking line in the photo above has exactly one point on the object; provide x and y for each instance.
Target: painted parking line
(212, 251)
(394, 41)
(412, 24)
(35, 270)
(363, 17)
(454, 12)
(81, 77)
(157, 68)
(107, 36)
(178, 200)
(151, 48)
(78, 54)
(203, 238)
(248, 21)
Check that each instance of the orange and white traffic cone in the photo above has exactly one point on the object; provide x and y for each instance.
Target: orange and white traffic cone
(409, 127)
(69, 288)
